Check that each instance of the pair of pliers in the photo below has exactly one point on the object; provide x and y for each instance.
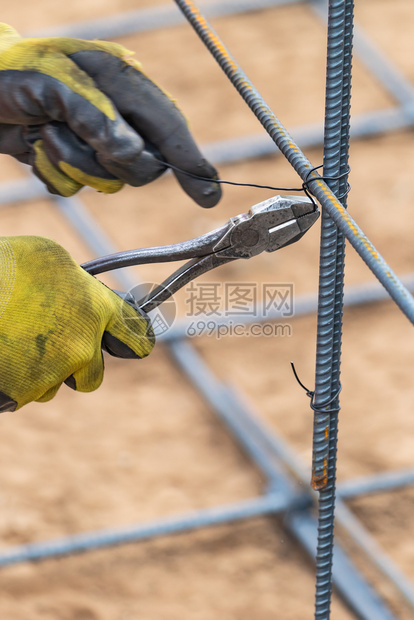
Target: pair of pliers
(268, 226)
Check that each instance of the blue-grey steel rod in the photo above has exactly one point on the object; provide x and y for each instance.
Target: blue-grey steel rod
(330, 250)
(143, 20)
(329, 331)
(377, 483)
(297, 159)
(307, 136)
(257, 507)
(382, 561)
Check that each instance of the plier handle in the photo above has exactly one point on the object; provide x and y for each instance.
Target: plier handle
(268, 226)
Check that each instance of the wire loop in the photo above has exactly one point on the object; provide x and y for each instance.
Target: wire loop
(322, 407)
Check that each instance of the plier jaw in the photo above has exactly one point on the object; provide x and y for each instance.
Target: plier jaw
(268, 226)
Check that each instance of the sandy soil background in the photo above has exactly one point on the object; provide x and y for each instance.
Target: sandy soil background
(146, 445)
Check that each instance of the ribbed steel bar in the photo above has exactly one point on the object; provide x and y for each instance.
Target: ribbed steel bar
(297, 159)
(330, 304)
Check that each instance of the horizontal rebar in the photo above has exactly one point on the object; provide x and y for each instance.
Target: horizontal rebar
(143, 20)
(307, 303)
(377, 483)
(77, 543)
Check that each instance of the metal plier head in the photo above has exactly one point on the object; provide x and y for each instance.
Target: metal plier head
(268, 226)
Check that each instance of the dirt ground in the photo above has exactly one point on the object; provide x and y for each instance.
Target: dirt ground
(146, 445)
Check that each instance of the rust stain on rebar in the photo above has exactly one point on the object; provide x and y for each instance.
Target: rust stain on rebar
(319, 481)
(202, 22)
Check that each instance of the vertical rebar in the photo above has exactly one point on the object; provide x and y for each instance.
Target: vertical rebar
(331, 272)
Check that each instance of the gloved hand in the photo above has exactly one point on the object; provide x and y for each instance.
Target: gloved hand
(54, 318)
(83, 113)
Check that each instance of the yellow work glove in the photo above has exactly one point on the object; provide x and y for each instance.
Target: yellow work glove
(83, 113)
(54, 319)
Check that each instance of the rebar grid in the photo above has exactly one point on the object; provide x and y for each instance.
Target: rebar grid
(332, 251)
(262, 443)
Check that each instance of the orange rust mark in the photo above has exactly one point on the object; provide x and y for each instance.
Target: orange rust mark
(319, 482)
(326, 433)
(214, 38)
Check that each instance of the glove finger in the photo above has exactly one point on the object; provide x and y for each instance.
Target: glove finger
(155, 117)
(49, 394)
(25, 145)
(79, 161)
(56, 181)
(7, 403)
(76, 158)
(144, 169)
(117, 348)
(89, 377)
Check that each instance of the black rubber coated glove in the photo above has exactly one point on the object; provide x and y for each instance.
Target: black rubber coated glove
(84, 113)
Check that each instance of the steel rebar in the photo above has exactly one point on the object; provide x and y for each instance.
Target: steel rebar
(330, 302)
